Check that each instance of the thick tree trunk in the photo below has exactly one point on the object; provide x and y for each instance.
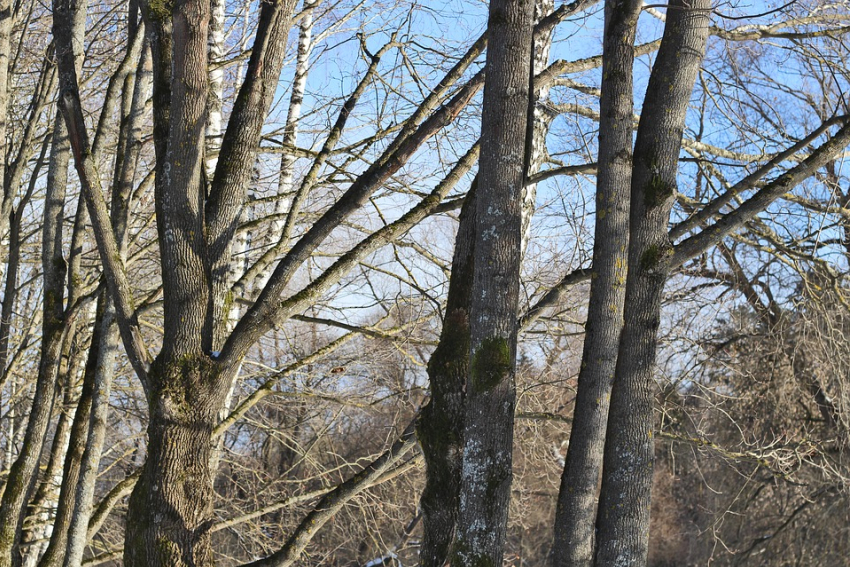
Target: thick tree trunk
(576, 512)
(629, 450)
(170, 509)
(441, 425)
(488, 430)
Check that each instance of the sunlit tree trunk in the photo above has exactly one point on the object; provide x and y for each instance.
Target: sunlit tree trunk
(624, 503)
(441, 423)
(488, 429)
(576, 511)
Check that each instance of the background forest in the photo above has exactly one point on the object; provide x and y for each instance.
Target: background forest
(231, 226)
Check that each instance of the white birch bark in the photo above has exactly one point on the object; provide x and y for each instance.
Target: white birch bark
(285, 185)
(215, 100)
(541, 119)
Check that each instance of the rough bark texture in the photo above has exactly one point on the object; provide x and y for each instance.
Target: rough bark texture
(237, 158)
(441, 425)
(171, 505)
(576, 512)
(488, 431)
(170, 509)
(440, 428)
(623, 519)
(179, 192)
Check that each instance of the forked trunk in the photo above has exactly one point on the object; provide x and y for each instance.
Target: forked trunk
(625, 497)
(575, 516)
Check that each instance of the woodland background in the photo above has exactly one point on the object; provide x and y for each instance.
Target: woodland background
(751, 389)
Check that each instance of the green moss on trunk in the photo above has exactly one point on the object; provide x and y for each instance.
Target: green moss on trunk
(491, 362)
(657, 192)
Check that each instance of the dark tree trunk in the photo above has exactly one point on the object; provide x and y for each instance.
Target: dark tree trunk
(576, 512)
(440, 428)
(488, 430)
(623, 519)
(170, 509)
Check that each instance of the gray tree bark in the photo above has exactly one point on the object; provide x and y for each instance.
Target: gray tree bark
(440, 427)
(488, 429)
(624, 505)
(576, 511)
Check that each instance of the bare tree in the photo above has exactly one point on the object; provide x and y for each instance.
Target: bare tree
(322, 205)
(575, 517)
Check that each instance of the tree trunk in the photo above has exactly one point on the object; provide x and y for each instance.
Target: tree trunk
(290, 128)
(541, 118)
(55, 553)
(24, 473)
(6, 21)
(45, 500)
(171, 507)
(215, 100)
(440, 427)
(576, 512)
(488, 431)
(629, 450)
